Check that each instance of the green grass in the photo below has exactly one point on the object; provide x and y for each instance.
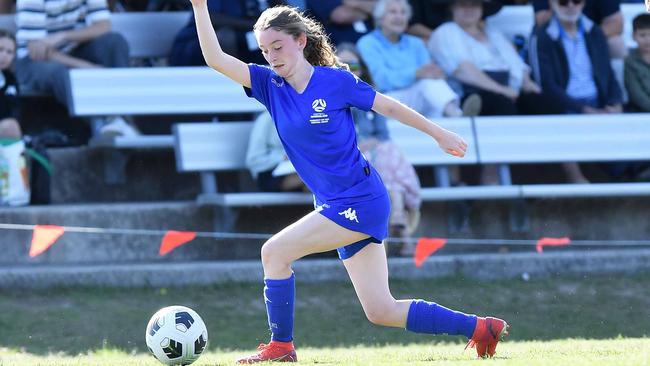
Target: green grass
(574, 352)
(550, 318)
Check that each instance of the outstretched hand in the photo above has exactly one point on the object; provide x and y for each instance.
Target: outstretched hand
(452, 144)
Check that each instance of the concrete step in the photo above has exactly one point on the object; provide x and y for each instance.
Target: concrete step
(82, 174)
(522, 266)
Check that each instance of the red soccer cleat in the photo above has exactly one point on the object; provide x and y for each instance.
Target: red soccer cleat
(274, 351)
(488, 332)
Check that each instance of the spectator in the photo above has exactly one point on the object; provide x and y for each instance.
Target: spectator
(637, 83)
(396, 172)
(15, 184)
(267, 161)
(637, 66)
(233, 21)
(344, 20)
(486, 63)
(401, 66)
(570, 59)
(72, 34)
(606, 13)
(9, 108)
(427, 16)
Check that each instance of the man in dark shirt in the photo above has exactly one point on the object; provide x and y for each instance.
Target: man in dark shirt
(344, 20)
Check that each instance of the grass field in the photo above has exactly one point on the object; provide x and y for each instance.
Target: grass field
(595, 320)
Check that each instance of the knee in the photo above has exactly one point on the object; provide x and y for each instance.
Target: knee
(9, 128)
(380, 313)
(114, 40)
(272, 255)
(114, 50)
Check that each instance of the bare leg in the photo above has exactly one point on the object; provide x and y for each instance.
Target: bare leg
(573, 173)
(313, 233)
(452, 109)
(368, 270)
(291, 182)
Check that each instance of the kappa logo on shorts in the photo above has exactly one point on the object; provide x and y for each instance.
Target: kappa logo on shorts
(350, 214)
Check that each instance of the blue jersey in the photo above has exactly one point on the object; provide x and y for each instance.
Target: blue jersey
(317, 131)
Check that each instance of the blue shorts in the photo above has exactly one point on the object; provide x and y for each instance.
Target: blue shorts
(368, 217)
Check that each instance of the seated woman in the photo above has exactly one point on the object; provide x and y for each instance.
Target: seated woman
(402, 68)
(486, 63)
(398, 174)
(267, 161)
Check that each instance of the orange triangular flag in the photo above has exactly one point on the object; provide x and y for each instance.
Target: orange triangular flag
(174, 239)
(542, 242)
(426, 247)
(43, 238)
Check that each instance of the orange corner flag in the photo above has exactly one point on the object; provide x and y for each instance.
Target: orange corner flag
(426, 247)
(542, 242)
(43, 238)
(174, 239)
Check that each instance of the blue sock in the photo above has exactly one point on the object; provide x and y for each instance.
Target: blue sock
(279, 297)
(431, 318)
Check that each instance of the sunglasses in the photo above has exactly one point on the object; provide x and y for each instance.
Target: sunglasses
(566, 2)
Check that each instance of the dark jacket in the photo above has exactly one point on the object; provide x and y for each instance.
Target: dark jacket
(550, 67)
(9, 103)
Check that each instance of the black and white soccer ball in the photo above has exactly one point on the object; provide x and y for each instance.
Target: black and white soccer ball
(176, 335)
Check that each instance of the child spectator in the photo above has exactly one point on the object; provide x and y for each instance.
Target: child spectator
(637, 66)
(9, 108)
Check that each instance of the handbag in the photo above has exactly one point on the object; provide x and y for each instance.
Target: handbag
(501, 77)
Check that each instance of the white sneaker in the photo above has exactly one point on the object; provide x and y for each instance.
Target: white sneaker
(118, 126)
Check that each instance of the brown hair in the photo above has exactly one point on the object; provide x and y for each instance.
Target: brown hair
(7, 34)
(318, 49)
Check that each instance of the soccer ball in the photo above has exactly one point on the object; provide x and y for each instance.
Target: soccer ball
(176, 335)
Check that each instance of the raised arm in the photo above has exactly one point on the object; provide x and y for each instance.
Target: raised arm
(212, 52)
(448, 141)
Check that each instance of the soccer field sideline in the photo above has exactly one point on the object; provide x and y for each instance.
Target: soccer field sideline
(482, 265)
(575, 352)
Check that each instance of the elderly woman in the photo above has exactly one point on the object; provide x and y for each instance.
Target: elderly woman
(401, 66)
(485, 62)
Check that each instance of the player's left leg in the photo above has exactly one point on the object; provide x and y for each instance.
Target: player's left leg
(368, 271)
(312, 234)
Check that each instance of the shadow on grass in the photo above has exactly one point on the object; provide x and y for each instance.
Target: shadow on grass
(79, 320)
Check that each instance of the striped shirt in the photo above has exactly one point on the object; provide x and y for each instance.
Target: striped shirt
(581, 78)
(36, 19)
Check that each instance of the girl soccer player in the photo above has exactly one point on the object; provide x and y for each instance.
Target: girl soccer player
(309, 94)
